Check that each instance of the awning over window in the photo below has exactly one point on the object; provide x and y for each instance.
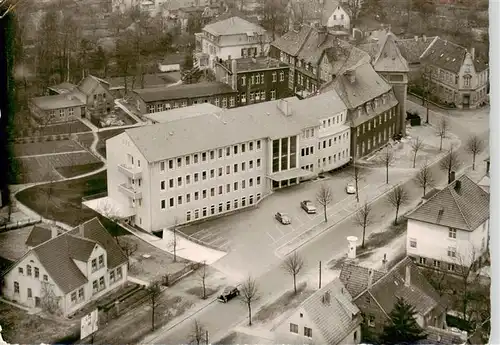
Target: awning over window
(289, 174)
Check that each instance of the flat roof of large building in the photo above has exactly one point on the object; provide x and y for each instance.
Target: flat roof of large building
(183, 113)
(183, 91)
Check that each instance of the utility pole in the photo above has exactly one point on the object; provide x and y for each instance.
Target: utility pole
(206, 337)
(320, 275)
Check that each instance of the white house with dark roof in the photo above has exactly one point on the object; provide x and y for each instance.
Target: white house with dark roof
(230, 38)
(329, 317)
(176, 172)
(451, 229)
(66, 270)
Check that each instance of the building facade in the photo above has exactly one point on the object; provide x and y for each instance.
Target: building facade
(64, 272)
(174, 172)
(450, 231)
(153, 100)
(256, 79)
(232, 38)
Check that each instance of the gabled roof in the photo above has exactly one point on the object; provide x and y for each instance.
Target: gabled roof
(183, 91)
(63, 87)
(345, 56)
(413, 48)
(292, 41)
(388, 58)
(367, 85)
(54, 102)
(466, 209)
(333, 312)
(438, 336)
(355, 278)
(450, 56)
(38, 235)
(387, 289)
(90, 83)
(315, 44)
(233, 26)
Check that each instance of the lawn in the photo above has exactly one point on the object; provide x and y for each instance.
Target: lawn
(75, 170)
(47, 147)
(18, 327)
(105, 135)
(64, 128)
(40, 169)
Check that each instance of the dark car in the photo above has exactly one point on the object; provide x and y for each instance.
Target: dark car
(308, 206)
(282, 218)
(228, 294)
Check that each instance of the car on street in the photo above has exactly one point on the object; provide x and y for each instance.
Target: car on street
(308, 206)
(228, 294)
(350, 188)
(283, 218)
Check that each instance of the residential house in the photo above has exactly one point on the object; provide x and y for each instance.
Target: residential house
(178, 171)
(314, 56)
(450, 230)
(60, 89)
(484, 183)
(375, 293)
(328, 317)
(456, 75)
(66, 270)
(158, 99)
(203, 14)
(332, 14)
(91, 97)
(230, 38)
(256, 79)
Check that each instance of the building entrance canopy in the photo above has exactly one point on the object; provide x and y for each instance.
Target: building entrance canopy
(288, 174)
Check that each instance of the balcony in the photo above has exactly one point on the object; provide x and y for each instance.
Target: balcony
(130, 171)
(130, 191)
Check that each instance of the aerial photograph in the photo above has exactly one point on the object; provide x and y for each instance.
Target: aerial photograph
(219, 172)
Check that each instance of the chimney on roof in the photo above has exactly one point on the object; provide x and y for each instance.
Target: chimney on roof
(81, 230)
(326, 298)
(234, 77)
(350, 75)
(408, 275)
(473, 53)
(458, 186)
(425, 38)
(370, 278)
(284, 107)
(452, 176)
(53, 231)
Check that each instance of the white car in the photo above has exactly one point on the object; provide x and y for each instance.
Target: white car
(350, 188)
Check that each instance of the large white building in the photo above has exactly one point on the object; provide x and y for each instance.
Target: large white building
(450, 230)
(200, 166)
(232, 38)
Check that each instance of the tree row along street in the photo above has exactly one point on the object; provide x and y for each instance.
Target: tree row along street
(322, 248)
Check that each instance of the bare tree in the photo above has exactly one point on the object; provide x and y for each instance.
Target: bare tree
(202, 273)
(128, 249)
(450, 163)
(364, 219)
(48, 299)
(398, 197)
(174, 242)
(356, 176)
(442, 130)
(424, 178)
(293, 264)
(197, 333)
(416, 145)
(249, 294)
(154, 293)
(474, 146)
(387, 159)
(324, 198)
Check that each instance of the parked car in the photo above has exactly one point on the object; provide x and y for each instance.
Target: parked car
(308, 206)
(283, 218)
(350, 188)
(228, 294)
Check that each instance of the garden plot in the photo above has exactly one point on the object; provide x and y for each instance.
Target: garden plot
(47, 147)
(42, 168)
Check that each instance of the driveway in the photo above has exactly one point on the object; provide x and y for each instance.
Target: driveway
(253, 238)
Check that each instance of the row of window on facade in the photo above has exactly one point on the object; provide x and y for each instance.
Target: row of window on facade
(222, 102)
(366, 146)
(95, 266)
(284, 153)
(62, 112)
(257, 96)
(284, 57)
(209, 174)
(248, 52)
(100, 284)
(372, 105)
(220, 153)
(294, 328)
(258, 78)
(229, 205)
(310, 85)
(333, 141)
(367, 126)
(335, 120)
(333, 159)
(204, 193)
(30, 270)
(437, 264)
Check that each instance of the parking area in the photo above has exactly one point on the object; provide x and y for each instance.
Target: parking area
(254, 235)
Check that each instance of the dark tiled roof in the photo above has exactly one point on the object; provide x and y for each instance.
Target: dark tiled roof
(313, 48)
(370, 48)
(63, 87)
(389, 58)
(184, 91)
(95, 231)
(332, 311)
(430, 194)
(258, 63)
(89, 83)
(38, 235)
(345, 56)
(80, 248)
(233, 26)
(355, 278)
(368, 85)
(292, 41)
(412, 48)
(465, 210)
(438, 336)
(420, 294)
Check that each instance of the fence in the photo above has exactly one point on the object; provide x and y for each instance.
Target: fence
(171, 279)
(19, 224)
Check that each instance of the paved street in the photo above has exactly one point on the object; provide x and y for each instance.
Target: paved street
(220, 318)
